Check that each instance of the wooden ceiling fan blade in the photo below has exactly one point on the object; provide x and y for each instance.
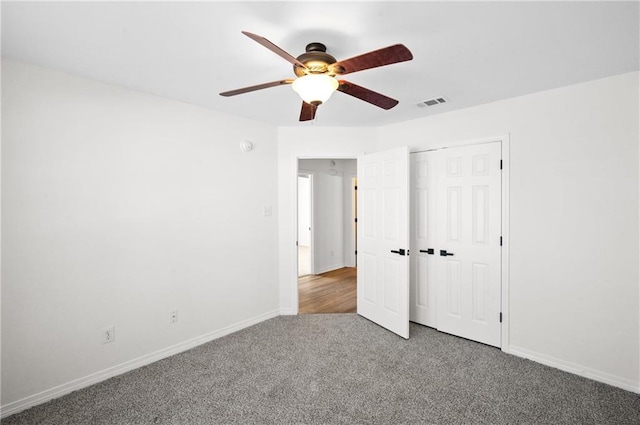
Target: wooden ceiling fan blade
(256, 87)
(275, 49)
(308, 111)
(367, 95)
(386, 56)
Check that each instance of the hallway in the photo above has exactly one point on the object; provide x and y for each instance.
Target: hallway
(331, 292)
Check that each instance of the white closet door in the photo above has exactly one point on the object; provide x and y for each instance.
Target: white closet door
(423, 239)
(468, 234)
(383, 239)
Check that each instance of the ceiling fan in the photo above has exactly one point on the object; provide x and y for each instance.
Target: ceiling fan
(316, 72)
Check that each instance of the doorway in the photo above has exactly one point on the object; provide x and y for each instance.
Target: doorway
(305, 207)
(289, 289)
(326, 235)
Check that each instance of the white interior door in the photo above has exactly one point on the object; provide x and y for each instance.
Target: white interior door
(423, 239)
(383, 239)
(468, 234)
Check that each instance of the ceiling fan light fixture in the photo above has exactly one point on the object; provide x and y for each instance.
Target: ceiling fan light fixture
(315, 88)
(316, 72)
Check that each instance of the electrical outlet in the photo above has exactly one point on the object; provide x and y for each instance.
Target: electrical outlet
(173, 316)
(108, 334)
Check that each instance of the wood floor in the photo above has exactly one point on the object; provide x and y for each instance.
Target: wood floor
(331, 292)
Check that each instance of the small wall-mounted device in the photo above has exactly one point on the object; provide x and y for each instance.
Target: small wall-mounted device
(246, 146)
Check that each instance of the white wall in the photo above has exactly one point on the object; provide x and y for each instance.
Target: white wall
(328, 228)
(328, 237)
(115, 212)
(332, 211)
(119, 207)
(305, 142)
(574, 280)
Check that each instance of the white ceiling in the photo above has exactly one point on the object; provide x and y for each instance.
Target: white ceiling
(469, 53)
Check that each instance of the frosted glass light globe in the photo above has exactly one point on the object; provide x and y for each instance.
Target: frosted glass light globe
(315, 88)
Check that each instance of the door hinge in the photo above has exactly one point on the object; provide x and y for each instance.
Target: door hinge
(501, 164)
(356, 219)
(500, 240)
(500, 317)
(356, 252)
(355, 187)
(296, 243)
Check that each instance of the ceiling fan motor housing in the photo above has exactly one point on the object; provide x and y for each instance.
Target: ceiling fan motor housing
(316, 59)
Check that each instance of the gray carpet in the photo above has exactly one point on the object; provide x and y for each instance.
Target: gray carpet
(340, 369)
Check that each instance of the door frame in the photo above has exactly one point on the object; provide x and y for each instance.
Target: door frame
(291, 279)
(310, 176)
(353, 218)
(504, 269)
(290, 273)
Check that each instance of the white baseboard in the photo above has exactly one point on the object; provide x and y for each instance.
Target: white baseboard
(329, 268)
(94, 378)
(288, 312)
(576, 369)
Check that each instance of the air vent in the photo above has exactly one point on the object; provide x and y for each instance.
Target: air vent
(432, 102)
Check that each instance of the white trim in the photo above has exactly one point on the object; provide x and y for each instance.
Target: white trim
(576, 369)
(638, 94)
(94, 378)
(444, 145)
(330, 268)
(506, 167)
(292, 277)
